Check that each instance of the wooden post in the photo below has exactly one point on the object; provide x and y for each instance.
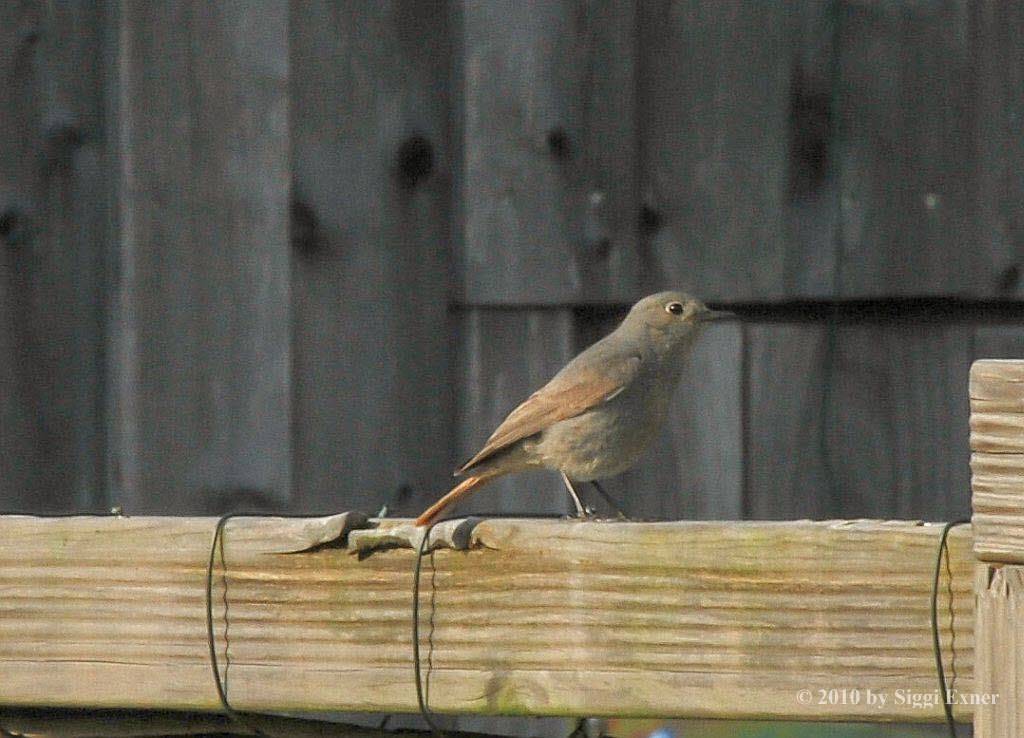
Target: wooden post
(997, 464)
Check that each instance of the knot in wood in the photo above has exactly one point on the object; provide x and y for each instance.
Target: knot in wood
(415, 160)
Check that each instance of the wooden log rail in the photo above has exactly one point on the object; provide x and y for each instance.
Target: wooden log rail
(809, 620)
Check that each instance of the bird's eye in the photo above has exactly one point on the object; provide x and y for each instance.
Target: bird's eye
(676, 308)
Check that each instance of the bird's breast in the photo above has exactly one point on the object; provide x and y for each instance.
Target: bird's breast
(607, 439)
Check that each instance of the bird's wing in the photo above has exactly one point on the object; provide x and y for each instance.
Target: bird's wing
(569, 394)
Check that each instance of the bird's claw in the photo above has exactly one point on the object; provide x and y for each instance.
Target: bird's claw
(586, 515)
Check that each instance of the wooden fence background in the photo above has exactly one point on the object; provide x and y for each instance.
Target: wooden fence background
(304, 255)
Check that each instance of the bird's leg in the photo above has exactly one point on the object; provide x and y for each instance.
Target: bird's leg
(609, 499)
(581, 511)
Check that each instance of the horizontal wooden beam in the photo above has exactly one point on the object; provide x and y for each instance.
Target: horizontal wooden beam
(738, 620)
(997, 459)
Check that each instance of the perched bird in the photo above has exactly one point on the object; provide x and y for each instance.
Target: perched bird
(596, 416)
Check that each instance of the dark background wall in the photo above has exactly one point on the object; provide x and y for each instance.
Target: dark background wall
(304, 255)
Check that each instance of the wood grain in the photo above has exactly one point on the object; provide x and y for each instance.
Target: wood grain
(53, 216)
(999, 340)
(199, 356)
(371, 334)
(997, 461)
(906, 106)
(812, 204)
(1000, 657)
(788, 457)
(737, 211)
(997, 406)
(17, 180)
(843, 420)
(549, 176)
(684, 619)
(999, 66)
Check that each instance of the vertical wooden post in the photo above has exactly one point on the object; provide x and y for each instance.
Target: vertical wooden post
(997, 464)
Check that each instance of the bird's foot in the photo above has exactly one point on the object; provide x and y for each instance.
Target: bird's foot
(585, 515)
(619, 513)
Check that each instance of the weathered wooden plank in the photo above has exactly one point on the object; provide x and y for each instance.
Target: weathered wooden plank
(694, 470)
(549, 176)
(200, 313)
(812, 206)
(842, 420)
(909, 154)
(504, 355)
(373, 398)
(737, 182)
(999, 666)
(997, 461)
(788, 473)
(998, 58)
(702, 619)
(18, 32)
(71, 302)
(997, 406)
(52, 234)
(998, 341)
(998, 505)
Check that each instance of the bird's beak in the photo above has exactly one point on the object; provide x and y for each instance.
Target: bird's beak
(707, 314)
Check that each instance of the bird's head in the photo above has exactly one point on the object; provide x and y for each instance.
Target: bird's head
(671, 317)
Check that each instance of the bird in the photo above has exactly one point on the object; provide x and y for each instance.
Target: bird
(596, 416)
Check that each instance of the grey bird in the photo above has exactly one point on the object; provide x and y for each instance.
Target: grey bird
(596, 416)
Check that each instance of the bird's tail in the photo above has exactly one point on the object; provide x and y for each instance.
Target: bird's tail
(463, 488)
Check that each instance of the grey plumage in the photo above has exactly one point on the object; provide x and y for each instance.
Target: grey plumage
(596, 416)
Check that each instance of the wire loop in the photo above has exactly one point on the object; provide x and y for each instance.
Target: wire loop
(947, 702)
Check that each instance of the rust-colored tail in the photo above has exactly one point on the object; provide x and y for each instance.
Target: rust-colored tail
(463, 488)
